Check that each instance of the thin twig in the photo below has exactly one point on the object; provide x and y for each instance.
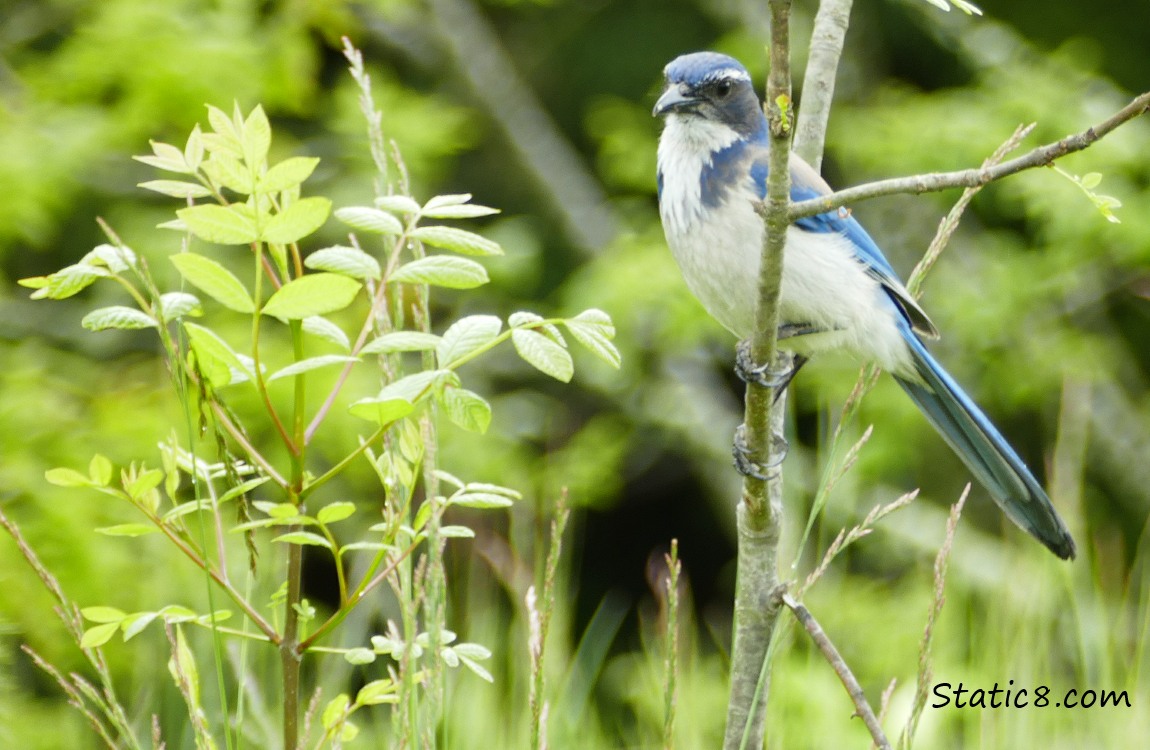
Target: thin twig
(935, 181)
(819, 636)
(827, 38)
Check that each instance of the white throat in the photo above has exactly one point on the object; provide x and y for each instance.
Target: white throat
(686, 148)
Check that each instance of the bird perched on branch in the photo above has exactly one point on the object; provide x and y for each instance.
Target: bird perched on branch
(838, 291)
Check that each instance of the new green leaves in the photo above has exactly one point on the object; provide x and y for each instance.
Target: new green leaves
(236, 150)
(442, 270)
(314, 294)
(214, 280)
(223, 225)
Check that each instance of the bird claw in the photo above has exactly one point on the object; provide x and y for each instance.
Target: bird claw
(748, 467)
(769, 376)
(765, 375)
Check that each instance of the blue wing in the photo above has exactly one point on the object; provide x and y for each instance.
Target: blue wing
(807, 184)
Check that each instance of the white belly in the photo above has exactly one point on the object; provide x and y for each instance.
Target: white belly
(822, 282)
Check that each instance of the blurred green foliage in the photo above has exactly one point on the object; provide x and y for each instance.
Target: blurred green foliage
(1042, 303)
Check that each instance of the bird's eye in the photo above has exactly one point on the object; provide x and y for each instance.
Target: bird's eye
(722, 89)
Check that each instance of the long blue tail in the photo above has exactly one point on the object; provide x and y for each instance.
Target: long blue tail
(984, 451)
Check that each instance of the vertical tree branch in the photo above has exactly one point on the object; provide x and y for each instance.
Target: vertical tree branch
(759, 513)
(827, 38)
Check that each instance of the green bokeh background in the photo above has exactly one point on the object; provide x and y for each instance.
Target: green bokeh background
(1043, 306)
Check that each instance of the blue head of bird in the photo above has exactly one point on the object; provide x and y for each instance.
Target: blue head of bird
(711, 92)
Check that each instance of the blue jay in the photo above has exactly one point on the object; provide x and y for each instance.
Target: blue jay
(838, 291)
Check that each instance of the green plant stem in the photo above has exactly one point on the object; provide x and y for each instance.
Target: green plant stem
(366, 584)
(365, 330)
(249, 450)
(292, 445)
(290, 654)
(217, 575)
(290, 651)
(760, 512)
(336, 470)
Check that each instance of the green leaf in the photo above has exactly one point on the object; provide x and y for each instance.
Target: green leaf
(382, 411)
(448, 199)
(594, 330)
(194, 148)
(397, 400)
(287, 174)
(98, 635)
(359, 656)
(314, 294)
(127, 529)
(378, 691)
(166, 157)
(335, 711)
(242, 489)
(144, 483)
(397, 204)
(115, 259)
(349, 261)
(213, 353)
(369, 220)
(326, 330)
(472, 651)
(65, 477)
(175, 305)
(214, 280)
(303, 537)
(117, 316)
(134, 624)
(467, 409)
(225, 169)
(480, 500)
(224, 225)
(312, 363)
(278, 510)
(335, 512)
(401, 341)
(418, 386)
(182, 667)
(297, 221)
(458, 240)
(467, 335)
(223, 125)
(100, 470)
(456, 532)
(482, 673)
(66, 282)
(256, 136)
(542, 353)
(1090, 180)
(442, 270)
(461, 211)
(102, 614)
(175, 613)
(177, 188)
